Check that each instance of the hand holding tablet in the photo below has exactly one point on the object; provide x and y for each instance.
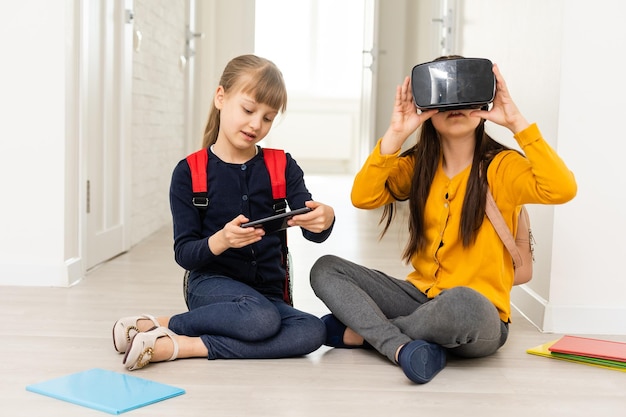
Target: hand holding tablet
(277, 222)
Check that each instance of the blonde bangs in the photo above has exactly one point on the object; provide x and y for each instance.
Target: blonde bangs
(266, 86)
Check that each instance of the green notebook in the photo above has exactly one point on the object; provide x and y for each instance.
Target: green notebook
(107, 391)
(594, 361)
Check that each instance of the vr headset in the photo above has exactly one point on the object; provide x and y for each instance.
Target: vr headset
(452, 84)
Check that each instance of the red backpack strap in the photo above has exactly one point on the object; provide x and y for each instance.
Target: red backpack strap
(198, 162)
(276, 163)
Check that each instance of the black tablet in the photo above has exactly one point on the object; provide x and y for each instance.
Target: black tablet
(277, 222)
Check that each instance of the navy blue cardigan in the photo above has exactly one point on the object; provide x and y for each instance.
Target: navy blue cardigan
(234, 189)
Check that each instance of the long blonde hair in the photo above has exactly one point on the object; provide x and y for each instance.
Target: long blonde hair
(253, 75)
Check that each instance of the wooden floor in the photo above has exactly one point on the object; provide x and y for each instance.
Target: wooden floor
(51, 332)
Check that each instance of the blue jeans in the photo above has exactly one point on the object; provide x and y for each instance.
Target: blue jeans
(237, 322)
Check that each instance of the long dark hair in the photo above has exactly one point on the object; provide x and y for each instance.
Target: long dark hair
(252, 75)
(427, 152)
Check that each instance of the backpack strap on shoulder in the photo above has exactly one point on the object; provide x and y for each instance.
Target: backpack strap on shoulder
(198, 162)
(276, 163)
(496, 219)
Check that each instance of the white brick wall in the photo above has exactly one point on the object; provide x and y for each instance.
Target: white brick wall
(158, 119)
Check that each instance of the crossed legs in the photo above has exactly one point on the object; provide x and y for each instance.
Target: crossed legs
(390, 313)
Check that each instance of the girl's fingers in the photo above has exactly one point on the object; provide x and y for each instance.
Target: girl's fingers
(406, 89)
(500, 83)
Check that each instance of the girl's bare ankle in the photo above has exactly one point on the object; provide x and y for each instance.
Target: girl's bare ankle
(351, 338)
(145, 324)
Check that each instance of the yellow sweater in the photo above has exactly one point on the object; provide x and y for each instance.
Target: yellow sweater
(486, 266)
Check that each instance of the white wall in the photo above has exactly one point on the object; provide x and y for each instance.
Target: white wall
(587, 287)
(40, 168)
(560, 62)
(34, 140)
(158, 112)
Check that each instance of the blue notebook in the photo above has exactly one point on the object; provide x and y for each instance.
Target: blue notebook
(107, 391)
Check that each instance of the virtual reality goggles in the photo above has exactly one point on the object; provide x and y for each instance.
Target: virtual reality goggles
(452, 84)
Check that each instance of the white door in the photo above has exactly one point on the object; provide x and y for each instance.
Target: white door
(106, 36)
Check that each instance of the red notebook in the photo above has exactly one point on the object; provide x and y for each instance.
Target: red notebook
(593, 348)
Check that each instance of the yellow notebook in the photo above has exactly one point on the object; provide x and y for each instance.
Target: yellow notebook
(544, 350)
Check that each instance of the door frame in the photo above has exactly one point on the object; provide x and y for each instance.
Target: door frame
(371, 53)
(117, 44)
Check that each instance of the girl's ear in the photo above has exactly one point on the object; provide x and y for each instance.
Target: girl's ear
(218, 100)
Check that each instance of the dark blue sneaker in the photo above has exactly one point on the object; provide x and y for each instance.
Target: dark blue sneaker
(421, 360)
(334, 334)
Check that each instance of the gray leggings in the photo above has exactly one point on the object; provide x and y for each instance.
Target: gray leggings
(388, 312)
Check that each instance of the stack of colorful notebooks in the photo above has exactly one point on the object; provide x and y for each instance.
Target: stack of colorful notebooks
(596, 352)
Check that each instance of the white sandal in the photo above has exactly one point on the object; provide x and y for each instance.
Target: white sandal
(126, 328)
(141, 347)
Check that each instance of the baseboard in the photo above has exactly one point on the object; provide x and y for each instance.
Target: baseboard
(42, 275)
(568, 319)
(529, 304)
(585, 320)
(75, 271)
